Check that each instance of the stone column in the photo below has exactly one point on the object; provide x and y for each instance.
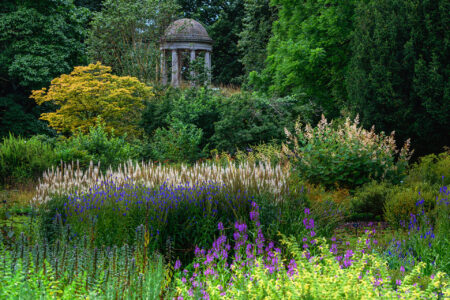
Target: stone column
(191, 68)
(208, 65)
(175, 70)
(163, 68)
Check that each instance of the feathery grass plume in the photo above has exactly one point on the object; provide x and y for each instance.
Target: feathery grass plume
(254, 178)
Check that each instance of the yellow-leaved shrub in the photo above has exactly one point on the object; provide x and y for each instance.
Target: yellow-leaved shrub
(90, 92)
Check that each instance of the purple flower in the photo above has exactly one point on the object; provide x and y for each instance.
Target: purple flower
(307, 211)
(177, 264)
(402, 269)
(220, 226)
(242, 227)
(253, 215)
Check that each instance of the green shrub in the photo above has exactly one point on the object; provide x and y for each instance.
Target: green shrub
(434, 169)
(178, 143)
(261, 153)
(23, 159)
(194, 107)
(401, 202)
(345, 155)
(424, 237)
(228, 123)
(249, 119)
(369, 200)
(96, 146)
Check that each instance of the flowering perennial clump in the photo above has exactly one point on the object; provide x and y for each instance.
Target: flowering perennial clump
(110, 212)
(258, 270)
(254, 178)
(345, 155)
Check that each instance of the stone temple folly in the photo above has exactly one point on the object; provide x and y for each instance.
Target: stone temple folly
(184, 35)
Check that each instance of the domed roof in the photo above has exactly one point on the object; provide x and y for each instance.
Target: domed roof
(186, 30)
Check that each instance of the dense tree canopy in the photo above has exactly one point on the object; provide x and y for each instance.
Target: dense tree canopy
(255, 34)
(223, 21)
(39, 40)
(125, 35)
(399, 74)
(309, 51)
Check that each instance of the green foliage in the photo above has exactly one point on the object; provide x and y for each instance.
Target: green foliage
(125, 35)
(228, 123)
(399, 73)
(401, 202)
(368, 200)
(247, 119)
(195, 108)
(255, 34)
(198, 74)
(286, 216)
(226, 65)
(433, 169)
(308, 52)
(23, 159)
(425, 177)
(165, 213)
(98, 146)
(68, 270)
(345, 155)
(223, 22)
(316, 277)
(18, 117)
(178, 143)
(49, 227)
(92, 5)
(427, 229)
(261, 153)
(39, 40)
(90, 92)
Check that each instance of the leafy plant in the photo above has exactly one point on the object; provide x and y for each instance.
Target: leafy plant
(369, 200)
(23, 159)
(179, 143)
(91, 92)
(433, 169)
(401, 202)
(97, 146)
(345, 155)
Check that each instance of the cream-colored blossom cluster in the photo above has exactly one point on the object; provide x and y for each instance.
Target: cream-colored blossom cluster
(252, 177)
(348, 134)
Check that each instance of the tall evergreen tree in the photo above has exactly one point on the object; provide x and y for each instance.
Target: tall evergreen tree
(92, 5)
(399, 74)
(309, 51)
(223, 21)
(257, 29)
